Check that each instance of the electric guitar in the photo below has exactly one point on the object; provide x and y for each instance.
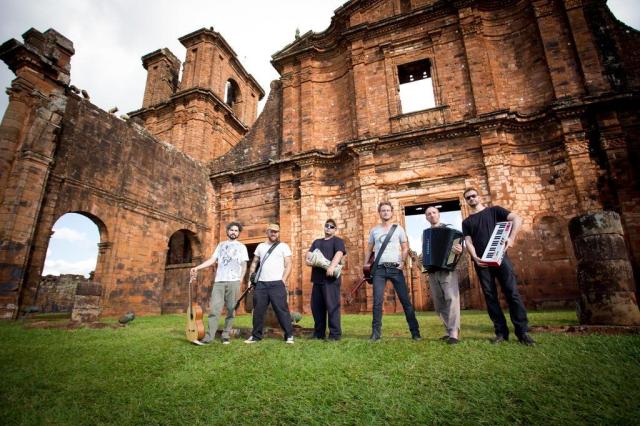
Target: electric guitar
(366, 277)
(195, 326)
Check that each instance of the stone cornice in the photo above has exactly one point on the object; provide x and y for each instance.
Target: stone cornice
(501, 119)
(186, 95)
(208, 34)
(338, 32)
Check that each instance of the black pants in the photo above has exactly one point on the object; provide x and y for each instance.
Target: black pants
(273, 292)
(507, 279)
(325, 302)
(396, 276)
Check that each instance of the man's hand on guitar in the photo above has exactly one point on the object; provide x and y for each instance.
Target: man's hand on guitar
(193, 273)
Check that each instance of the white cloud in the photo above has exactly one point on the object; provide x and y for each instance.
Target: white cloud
(80, 267)
(68, 234)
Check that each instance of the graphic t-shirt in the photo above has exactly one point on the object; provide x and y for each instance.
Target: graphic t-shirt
(230, 255)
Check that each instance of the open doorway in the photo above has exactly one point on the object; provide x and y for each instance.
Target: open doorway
(71, 259)
(415, 224)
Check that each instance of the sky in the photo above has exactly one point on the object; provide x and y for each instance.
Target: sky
(110, 37)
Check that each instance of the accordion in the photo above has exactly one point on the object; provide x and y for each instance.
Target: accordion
(495, 250)
(437, 248)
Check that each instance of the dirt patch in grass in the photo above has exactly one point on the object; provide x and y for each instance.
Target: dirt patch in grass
(582, 330)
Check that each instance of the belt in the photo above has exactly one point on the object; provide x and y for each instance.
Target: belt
(390, 264)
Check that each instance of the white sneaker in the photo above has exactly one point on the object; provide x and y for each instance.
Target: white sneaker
(251, 339)
(197, 342)
(289, 340)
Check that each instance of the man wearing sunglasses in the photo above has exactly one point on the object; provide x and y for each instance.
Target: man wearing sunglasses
(274, 257)
(477, 230)
(325, 295)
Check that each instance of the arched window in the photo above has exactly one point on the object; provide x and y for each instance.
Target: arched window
(180, 250)
(231, 92)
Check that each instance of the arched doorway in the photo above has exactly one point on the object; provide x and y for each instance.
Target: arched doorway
(72, 258)
(183, 253)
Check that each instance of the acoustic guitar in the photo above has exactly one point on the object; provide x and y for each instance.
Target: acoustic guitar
(195, 326)
(366, 277)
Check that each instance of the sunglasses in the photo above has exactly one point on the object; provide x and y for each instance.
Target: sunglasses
(329, 226)
(468, 197)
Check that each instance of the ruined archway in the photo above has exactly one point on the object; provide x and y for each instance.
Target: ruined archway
(183, 253)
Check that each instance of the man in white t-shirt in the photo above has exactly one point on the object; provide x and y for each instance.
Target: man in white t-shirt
(271, 285)
(231, 258)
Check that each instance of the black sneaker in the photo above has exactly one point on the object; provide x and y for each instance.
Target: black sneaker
(445, 337)
(452, 341)
(416, 337)
(525, 339)
(226, 341)
(498, 339)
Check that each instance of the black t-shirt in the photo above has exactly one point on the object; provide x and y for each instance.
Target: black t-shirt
(329, 248)
(480, 226)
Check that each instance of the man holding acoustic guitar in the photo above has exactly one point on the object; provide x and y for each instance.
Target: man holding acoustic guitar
(231, 258)
(391, 247)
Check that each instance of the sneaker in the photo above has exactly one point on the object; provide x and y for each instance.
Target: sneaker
(498, 339)
(445, 337)
(416, 337)
(289, 340)
(452, 341)
(251, 339)
(525, 339)
(197, 342)
(226, 341)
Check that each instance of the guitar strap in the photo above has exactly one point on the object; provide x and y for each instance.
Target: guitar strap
(382, 247)
(264, 259)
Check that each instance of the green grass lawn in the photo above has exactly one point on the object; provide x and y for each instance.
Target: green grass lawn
(147, 373)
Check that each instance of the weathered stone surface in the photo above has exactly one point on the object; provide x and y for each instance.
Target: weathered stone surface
(87, 302)
(605, 275)
(536, 107)
(57, 293)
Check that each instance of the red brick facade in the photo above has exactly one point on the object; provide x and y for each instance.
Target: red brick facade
(536, 106)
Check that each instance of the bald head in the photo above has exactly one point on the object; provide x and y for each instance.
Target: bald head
(433, 215)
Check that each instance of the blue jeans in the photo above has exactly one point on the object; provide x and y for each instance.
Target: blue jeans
(395, 275)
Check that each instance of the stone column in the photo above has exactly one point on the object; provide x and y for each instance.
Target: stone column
(584, 170)
(482, 84)
(605, 277)
(36, 106)
(289, 218)
(368, 204)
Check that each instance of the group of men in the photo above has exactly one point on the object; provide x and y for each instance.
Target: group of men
(271, 267)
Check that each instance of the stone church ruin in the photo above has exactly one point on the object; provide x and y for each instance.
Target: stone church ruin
(533, 102)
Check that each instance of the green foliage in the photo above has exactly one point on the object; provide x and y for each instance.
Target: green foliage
(146, 373)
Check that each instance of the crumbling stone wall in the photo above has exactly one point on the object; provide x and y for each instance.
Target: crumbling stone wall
(56, 293)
